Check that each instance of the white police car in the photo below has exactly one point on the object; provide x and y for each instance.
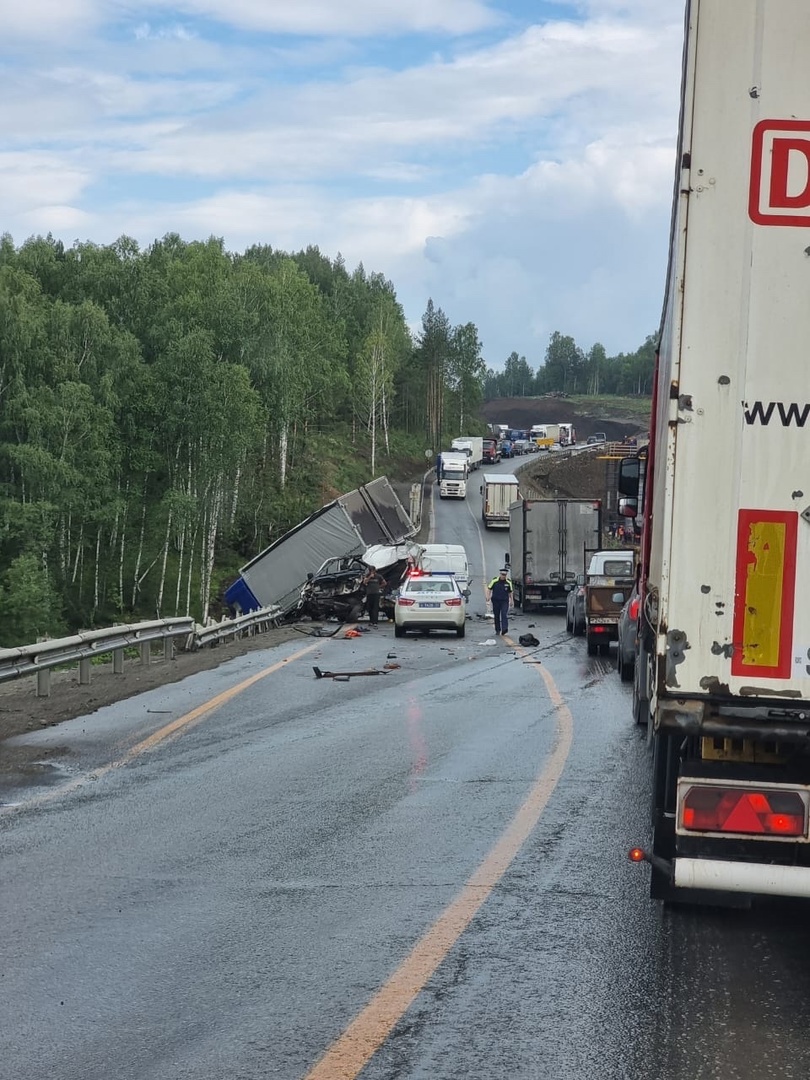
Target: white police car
(430, 602)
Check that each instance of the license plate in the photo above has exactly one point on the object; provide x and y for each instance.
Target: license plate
(423, 604)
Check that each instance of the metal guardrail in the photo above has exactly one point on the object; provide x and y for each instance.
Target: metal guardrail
(83, 648)
(252, 623)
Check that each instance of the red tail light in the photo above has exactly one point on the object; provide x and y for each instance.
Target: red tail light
(404, 601)
(455, 602)
(743, 810)
(632, 611)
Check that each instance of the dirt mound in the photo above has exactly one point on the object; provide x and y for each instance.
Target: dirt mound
(587, 418)
(587, 475)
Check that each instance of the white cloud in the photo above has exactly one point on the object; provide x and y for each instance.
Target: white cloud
(147, 32)
(47, 19)
(31, 181)
(524, 184)
(363, 18)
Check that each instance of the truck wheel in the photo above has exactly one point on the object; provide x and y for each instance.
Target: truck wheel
(579, 628)
(569, 625)
(355, 613)
(593, 645)
(399, 631)
(626, 670)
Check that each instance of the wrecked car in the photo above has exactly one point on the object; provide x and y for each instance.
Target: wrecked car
(336, 590)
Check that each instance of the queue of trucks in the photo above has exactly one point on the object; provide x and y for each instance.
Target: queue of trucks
(547, 435)
(722, 667)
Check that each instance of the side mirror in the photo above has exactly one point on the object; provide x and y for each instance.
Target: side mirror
(618, 598)
(506, 559)
(628, 508)
(466, 594)
(629, 477)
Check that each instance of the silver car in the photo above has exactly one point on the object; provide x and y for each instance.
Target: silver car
(430, 602)
(628, 629)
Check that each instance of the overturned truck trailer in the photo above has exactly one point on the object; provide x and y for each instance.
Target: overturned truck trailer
(345, 528)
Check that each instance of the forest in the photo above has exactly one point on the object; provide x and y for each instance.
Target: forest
(167, 412)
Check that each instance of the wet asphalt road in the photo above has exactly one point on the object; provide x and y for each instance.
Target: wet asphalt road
(229, 897)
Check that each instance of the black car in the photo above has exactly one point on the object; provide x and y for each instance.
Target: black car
(628, 629)
(575, 608)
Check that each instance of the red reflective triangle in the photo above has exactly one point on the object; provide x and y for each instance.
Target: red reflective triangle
(743, 818)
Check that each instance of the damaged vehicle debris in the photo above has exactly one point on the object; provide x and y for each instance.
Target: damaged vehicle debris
(337, 591)
(315, 569)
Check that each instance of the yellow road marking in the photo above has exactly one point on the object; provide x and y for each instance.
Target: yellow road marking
(364, 1036)
(183, 722)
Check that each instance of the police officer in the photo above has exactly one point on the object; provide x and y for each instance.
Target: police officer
(499, 592)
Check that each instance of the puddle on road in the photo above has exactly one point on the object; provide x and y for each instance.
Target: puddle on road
(35, 776)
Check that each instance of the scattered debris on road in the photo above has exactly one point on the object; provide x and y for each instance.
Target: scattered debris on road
(347, 674)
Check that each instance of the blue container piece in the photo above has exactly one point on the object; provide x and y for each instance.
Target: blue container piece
(239, 597)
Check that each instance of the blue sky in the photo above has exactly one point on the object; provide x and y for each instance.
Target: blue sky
(513, 160)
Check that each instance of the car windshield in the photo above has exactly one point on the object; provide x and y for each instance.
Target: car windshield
(428, 586)
(618, 568)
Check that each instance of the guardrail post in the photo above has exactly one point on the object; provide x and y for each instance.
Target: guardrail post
(84, 671)
(168, 648)
(146, 652)
(416, 494)
(118, 661)
(44, 683)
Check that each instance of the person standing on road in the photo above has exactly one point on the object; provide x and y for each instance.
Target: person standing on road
(373, 582)
(499, 592)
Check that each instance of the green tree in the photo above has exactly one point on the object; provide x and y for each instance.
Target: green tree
(30, 607)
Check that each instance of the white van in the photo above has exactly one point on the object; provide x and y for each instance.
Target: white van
(450, 558)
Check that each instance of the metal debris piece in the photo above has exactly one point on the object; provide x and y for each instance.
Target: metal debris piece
(347, 674)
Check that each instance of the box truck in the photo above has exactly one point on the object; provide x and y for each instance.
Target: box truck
(473, 447)
(723, 656)
(499, 491)
(547, 543)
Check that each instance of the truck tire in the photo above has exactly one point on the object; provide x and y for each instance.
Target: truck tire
(593, 645)
(663, 797)
(579, 628)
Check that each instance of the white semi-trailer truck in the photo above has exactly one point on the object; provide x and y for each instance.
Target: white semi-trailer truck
(723, 663)
(452, 475)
